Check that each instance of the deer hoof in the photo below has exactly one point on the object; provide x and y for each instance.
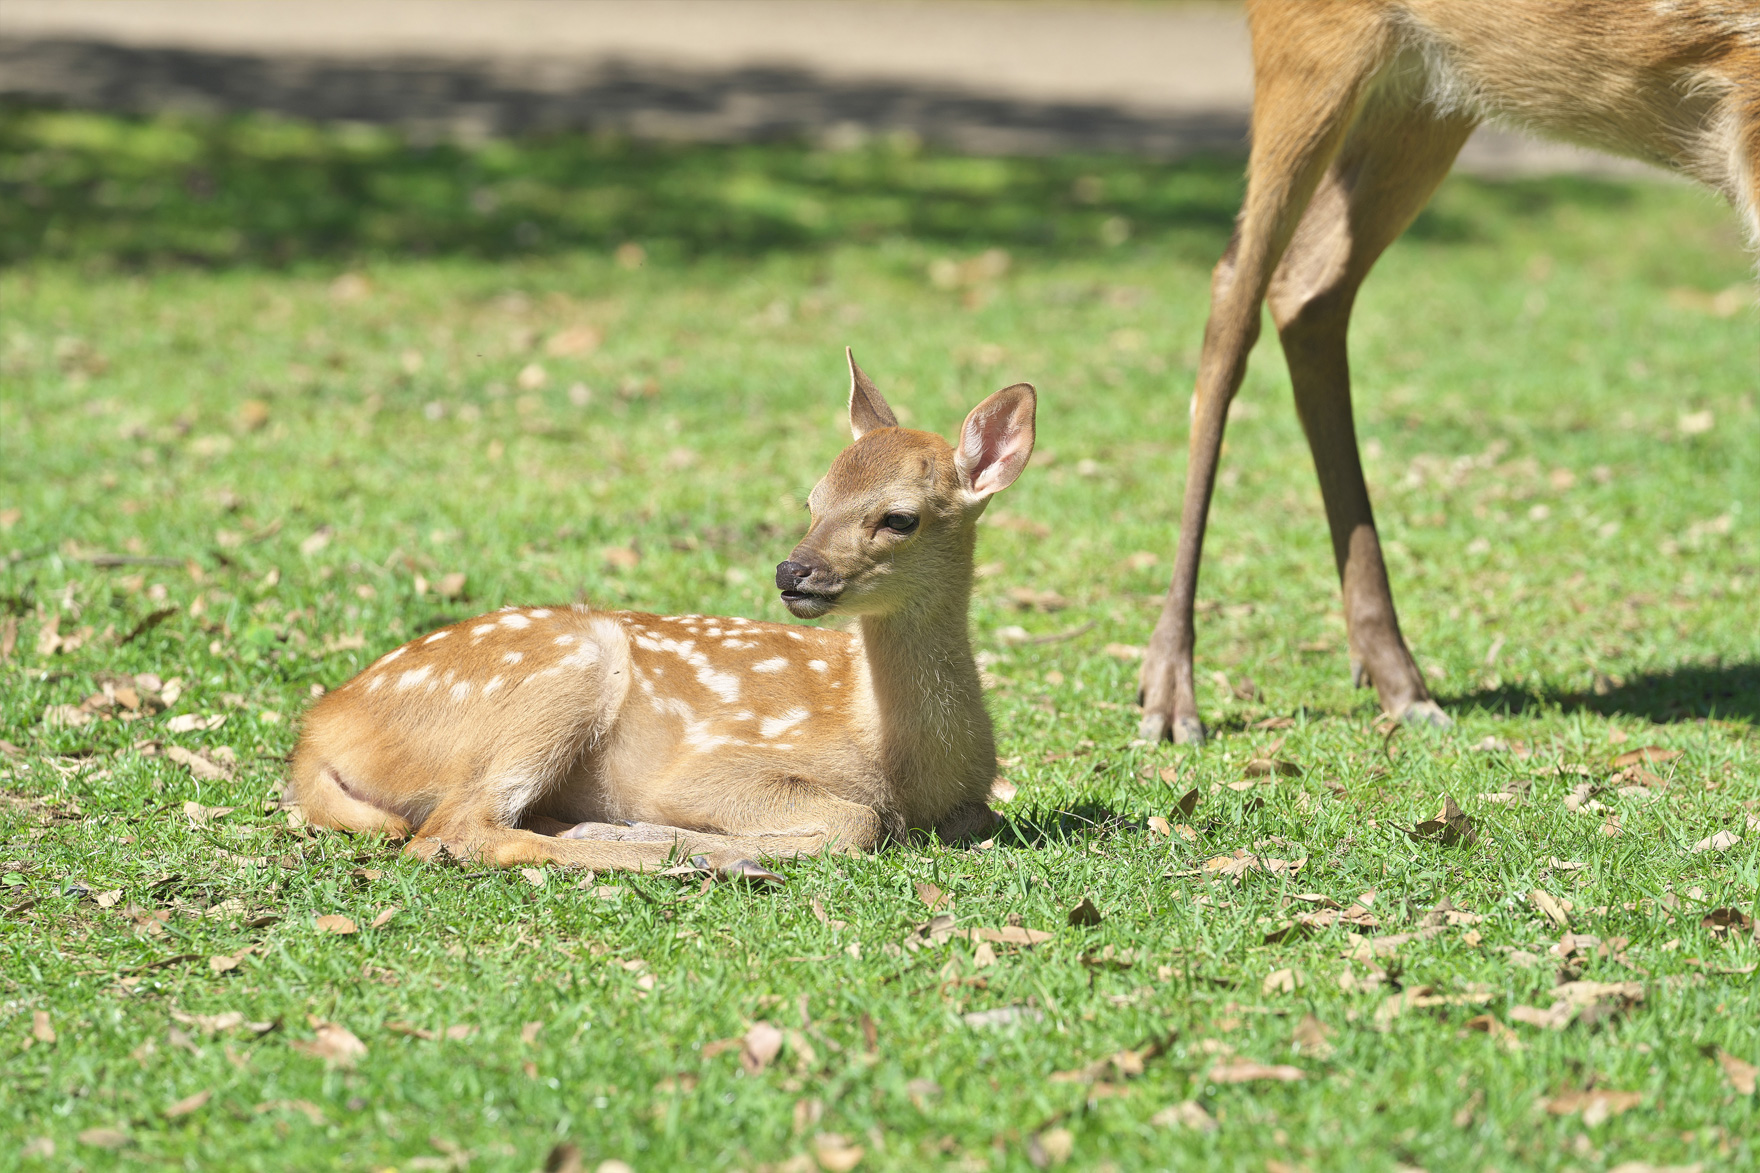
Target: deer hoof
(1153, 727)
(1188, 731)
(1426, 713)
(745, 869)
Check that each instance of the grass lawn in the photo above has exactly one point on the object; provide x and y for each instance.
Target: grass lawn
(274, 399)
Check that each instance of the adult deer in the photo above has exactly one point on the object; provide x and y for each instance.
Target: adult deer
(1359, 109)
(618, 740)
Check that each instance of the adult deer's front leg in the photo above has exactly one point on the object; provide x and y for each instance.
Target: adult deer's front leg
(1396, 154)
(1309, 82)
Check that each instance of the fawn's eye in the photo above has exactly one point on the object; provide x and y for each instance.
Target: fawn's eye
(899, 523)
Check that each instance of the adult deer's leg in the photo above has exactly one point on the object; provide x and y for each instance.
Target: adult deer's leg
(1391, 161)
(1311, 63)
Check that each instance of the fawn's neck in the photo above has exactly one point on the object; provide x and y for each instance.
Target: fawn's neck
(935, 737)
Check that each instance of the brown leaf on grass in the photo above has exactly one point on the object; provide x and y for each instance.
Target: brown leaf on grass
(1596, 1105)
(1740, 1073)
(1648, 753)
(42, 1029)
(1449, 826)
(1002, 790)
(574, 341)
(227, 962)
(1028, 599)
(104, 1138)
(1502, 1034)
(759, 1048)
(528, 1034)
(193, 723)
(189, 1104)
(335, 923)
(933, 896)
(1160, 826)
(1185, 1114)
(1241, 861)
(333, 1043)
(1550, 907)
(533, 876)
(451, 586)
(1271, 767)
(1721, 920)
(199, 815)
(835, 1153)
(1188, 802)
(1722, 841)
(384, 917)
(1313, 1037)
(1283, 981)
(1246, 1071)
(198, 765)
(564, 1158)
(1587, 1003)
(1086, 914)
(305, 1108)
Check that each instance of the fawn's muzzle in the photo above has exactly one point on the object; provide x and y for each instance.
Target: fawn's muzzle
(800, 594)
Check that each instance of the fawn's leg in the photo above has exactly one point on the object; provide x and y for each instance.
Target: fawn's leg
(1309, 84)
(795, 814)
(1388, 167)
(502, 846)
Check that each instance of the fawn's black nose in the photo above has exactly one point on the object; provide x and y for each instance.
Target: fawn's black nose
(790, 575)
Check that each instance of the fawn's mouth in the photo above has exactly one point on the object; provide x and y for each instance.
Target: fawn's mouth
(808, 604)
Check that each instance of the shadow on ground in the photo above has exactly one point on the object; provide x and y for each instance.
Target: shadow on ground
(1729, 692)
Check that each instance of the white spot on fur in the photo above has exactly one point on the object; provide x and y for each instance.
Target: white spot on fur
(494, 683)
(565, 639)
(461, 690)
(482, 629)
(513, 657)
(584, 656)
(391, 655)
(818, 665)
(541, 613)
(774, 664)
(414, 676)
(647, 644)
(437, 637)
(742, 715)
(375, 683)
(723, 684)
(515, 621)
(796, 635)
(776, 726)
(737, 644)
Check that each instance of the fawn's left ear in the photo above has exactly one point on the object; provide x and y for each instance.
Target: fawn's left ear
(867, 408)
(996, 440)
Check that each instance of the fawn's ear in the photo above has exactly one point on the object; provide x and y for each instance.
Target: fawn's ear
(867, 410)
(996, 440)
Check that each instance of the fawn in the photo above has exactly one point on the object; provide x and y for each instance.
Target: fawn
(619, 740)
(1359, 108)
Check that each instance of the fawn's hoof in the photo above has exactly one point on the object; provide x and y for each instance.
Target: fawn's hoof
(1180, 731)
(740, 869)
(1426, 713)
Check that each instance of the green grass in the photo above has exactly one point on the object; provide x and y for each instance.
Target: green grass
(219, 340)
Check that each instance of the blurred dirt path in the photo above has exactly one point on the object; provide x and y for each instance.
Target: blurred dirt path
(983, 75)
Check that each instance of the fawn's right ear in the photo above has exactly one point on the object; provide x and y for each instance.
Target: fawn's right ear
(867, 410)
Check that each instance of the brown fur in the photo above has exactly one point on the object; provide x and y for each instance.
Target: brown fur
(615, 739)
(1359, 109)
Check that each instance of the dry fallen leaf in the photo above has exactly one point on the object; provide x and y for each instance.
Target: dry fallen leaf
(1185, 1114)
(760, 1047)
(1722, 920)
(199, 765)
(1246, 1071)
(1283, 981)
(379, 921)
(1160, 826)
(451, 586)
(983, 957)
(1002, 790)
(835, 1153)
(335, 923)
(1596, 1105)
(333, 1044)
(1722, 841)
(1550, 907)
(528, 1034)
(1585, 1002)
(1487, 1024)
(1313, 1037)
(42, 1029)
(533, 876)
(1648, 753)
(104, 1138)
(1086, 914)
(1740, 1073)
(1188, 802)
(933, 896)
(198, 814)
(1449, 826)
(189, 1104)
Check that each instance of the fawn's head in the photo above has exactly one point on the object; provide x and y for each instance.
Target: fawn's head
(893, 521)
